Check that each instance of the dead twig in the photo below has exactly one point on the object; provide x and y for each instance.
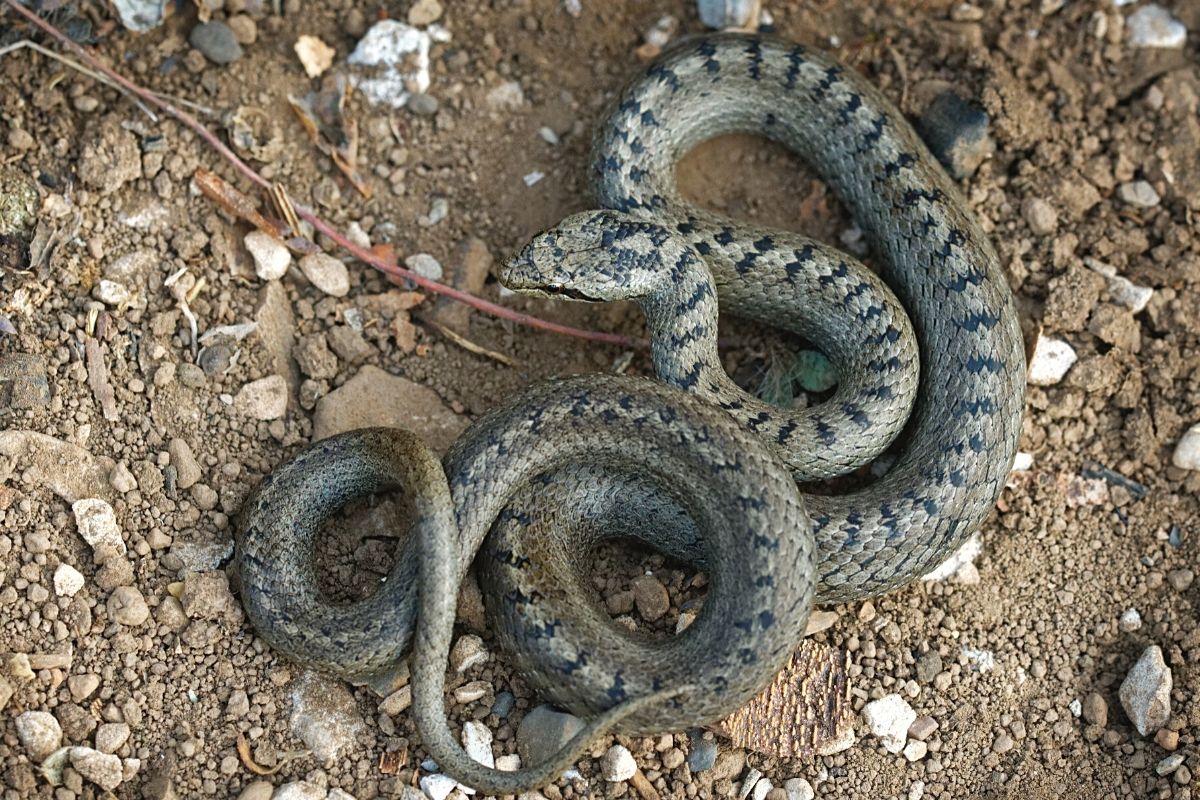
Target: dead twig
(306, 213)
(467, 344)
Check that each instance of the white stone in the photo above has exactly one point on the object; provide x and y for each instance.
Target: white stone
(888, 718)
(1076, 707)
(915, 750)
(533, 178)
(960, 558)
(1153, 26)
(799, 789)
(67, 580)
(437, 786)
(508, 96)
(1138, 193)
(468, 652)
(327, 273)
(110, 736)
(1121, 289)
(761, 789)
(1130, 621)
(103, 769)
(263, 399)
(325, 716)
(1051, 360)
(617, 764)
(339, 794)
(397, 55)
(97, 524)
(39, 733)
(271, 257)
(111, 293)
(917, 790)
(1146, 692)
(425, 265)
(508, 763)
(299, 790)
(1022, 462)
(752, 776)
(1169, 764)
(477, 741)
(1187, 452)
(819, 621)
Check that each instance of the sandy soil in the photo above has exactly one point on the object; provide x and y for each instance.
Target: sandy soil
(145, 654)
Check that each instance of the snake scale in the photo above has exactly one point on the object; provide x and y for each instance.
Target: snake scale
(691, 466)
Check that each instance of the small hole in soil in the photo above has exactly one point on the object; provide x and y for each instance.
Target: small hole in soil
(358, 546)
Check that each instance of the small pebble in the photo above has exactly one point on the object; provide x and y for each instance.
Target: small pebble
(1146, 691)
(1154, 26)
(424, 105)
(271, 257)
(702, 755)
(103, 769)
(67, 580)
(617, 764)
(651, 597)
(1187, 451)
(889, 718)
(110, 736)
(397, 702)
(424, 12)
(425, 265)
(1169, 764)
(504, 704)
(915, 750)
(477, 741)
(543, 731)
(39, 733)
(126, 606)
(1040, 215)
(82, 686)
(216, 41)
(1138, 193)
(97, 524)
(799, 789)
(1095, 710)
(437, 786)
(468, 652)
(1167, 739)
(264, 399)
(1002, 744)
(1131, 620)
(922, 728)
(956, 132)
(1180, 579)
(327, 273)
(1052, 358)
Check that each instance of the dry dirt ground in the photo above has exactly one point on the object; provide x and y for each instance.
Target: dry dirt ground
(147, 654)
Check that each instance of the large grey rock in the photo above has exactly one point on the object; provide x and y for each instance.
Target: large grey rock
(1146, 692)
(39, 733)
(543, 731)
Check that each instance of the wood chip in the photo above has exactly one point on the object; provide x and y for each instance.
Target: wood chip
(804, 710)
(467, 344)
(97, 372)
(390, 761)
(643, 786)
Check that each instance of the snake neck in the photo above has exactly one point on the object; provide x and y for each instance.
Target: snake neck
(681, 317)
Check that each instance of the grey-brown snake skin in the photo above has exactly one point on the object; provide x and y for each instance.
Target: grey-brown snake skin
(571, 463)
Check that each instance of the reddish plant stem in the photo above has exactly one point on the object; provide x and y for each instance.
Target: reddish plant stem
(307, 213)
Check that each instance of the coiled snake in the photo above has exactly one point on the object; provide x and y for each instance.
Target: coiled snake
(573, 462)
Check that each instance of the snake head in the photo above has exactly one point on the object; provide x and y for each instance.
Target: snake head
(593, 256)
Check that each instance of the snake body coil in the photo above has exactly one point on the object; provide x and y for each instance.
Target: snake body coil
(574, 462)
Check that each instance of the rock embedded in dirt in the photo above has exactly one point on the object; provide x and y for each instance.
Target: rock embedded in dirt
(468, 652)
(206, 595)
(324, 716)
(103, 769)
(110, 736)
(1052, 359)
(299, 790)
(67, 580)
(258, 790)
(477, 741)
(543, 731)
(956, 132)
(126, 606)
(617, 764)
(271, 257)
(187, 469)
(1187, 451)
(327, 273)
(651, 597)
(798, 789)
(23, 383)
(374, 397)
(1040, 216)
(1138, 193)
(702, 753)
(83, 686)
(423, 105)
(110, 157)
(97, 524)
(264, 399)
(1153, 26)
(39, 733)
(1095, 710)
(425, 265)
(424, 12)
(216, 41)
(889, 719)
(1146, 692)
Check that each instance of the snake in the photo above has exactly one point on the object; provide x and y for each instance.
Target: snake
(931, 374)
